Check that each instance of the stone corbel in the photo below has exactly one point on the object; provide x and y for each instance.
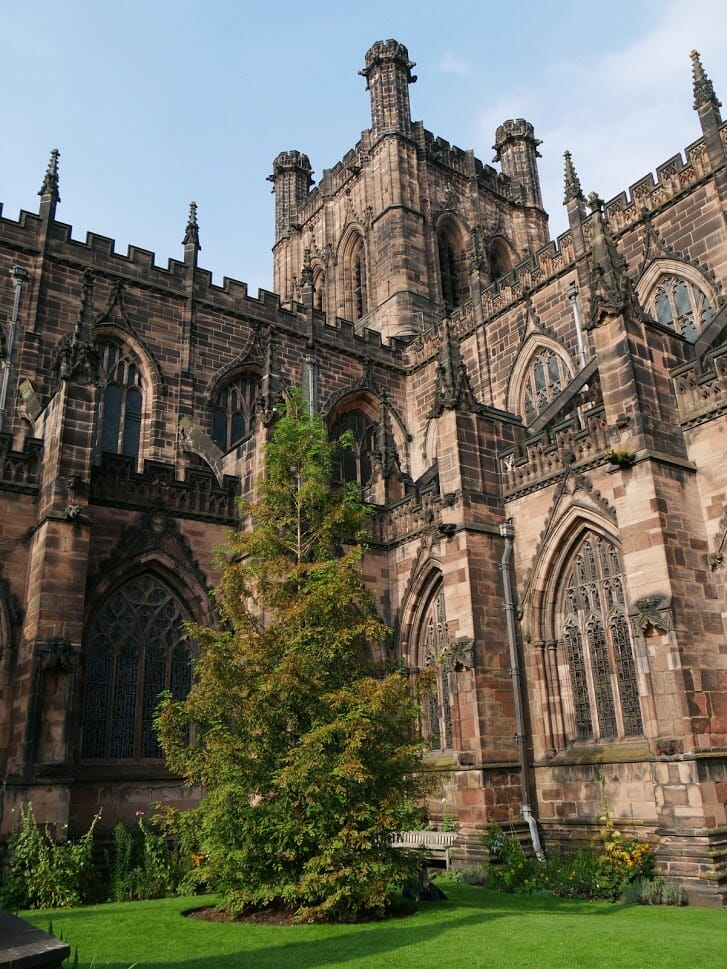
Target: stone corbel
(652, 616)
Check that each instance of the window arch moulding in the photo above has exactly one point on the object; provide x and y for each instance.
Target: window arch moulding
(543, 369)
(679, 296)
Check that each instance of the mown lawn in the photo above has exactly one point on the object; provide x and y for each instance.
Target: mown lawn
(473, 929)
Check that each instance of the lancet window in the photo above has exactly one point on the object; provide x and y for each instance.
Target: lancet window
(121, 401)
(136, 648)
(436, 701)
(681, 304)
(597, 647)
(233, 416)
(452, 268)
(355, 280)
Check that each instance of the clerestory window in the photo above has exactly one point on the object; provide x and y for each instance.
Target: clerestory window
(546, 378)
(354, 462)
(233, 416)
(680, 304)
(121, 401)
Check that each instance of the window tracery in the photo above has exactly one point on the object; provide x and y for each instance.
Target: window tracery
(433, 639)
(680, 304)
(136, 648)
(121, 401)
(355, 462)
(233, 415)
(545, 379)
(597, 644)
(452, 268)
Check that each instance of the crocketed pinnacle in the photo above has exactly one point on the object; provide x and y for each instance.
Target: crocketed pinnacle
(703, 89)
(50, 180)
(191, 235)
(573, 188)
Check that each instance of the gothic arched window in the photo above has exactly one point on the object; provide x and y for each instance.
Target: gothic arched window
(452, 267)
(136, 648)
(546, 377)
(354, 279)
(680, 304)
(121, 401)
(319, 288)
(354, 462)
(432, 639)
(233, 415)
(597, 644)
(500, 260)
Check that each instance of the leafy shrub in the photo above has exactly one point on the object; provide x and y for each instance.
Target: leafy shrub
(46, 872)
(471, 874)
(144, 866)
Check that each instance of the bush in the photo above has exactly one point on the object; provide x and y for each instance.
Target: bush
(46, 872)
(144, 866)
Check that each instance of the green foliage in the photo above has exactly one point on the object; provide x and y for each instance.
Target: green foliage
(145, 866)
(307, 757)
(655, 891)
(604, 874)
(46, 872)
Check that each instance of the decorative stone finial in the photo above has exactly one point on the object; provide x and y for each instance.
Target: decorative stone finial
(50, 180)
(703, 89)
(191, 235)
(573, 188)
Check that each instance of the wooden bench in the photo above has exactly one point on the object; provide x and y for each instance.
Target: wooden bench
(436, 844)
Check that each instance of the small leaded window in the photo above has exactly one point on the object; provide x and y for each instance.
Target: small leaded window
(546, 378)
(136, 648)
(121, 401)
(436, 725)
(354, 463)
(682, 305)
(597, 644)
(233, 417)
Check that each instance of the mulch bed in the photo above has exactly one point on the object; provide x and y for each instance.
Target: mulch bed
(272, 915)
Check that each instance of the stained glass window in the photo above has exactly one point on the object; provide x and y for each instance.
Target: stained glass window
(136, 648)
(233, 416)
(121, 401)
(597, 644)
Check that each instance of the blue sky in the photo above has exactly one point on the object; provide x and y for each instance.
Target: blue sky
(153, 103)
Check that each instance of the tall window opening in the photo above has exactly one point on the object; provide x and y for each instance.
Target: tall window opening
(452, 268)
(354, 463)
(233, 415)
(500, 261)
(436, 705)
(597, 644)
(121, 401)
(136, 648)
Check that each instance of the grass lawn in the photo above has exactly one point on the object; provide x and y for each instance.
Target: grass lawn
(473, 929)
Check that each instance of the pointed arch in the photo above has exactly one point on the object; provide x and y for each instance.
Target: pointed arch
(136, 646)
(353, 277)
(125, 411)
(578, 606)
(679, 296)
(452, 256)
(542, 369)
(500, 257)
(425, 643)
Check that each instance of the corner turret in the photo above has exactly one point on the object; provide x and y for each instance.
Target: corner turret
(388, 76)
(291, 178)
(516, 148)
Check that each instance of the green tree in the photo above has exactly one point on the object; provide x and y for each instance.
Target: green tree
(306, 753)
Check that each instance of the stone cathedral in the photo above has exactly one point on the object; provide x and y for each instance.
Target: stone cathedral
(540, 426)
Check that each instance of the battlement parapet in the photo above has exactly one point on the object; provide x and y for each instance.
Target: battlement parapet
(461, 321)
(702, 395)
(198, 496)
(675, 176)
(408, 517)
(138, 265)
(20, 470)
(544, 459)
